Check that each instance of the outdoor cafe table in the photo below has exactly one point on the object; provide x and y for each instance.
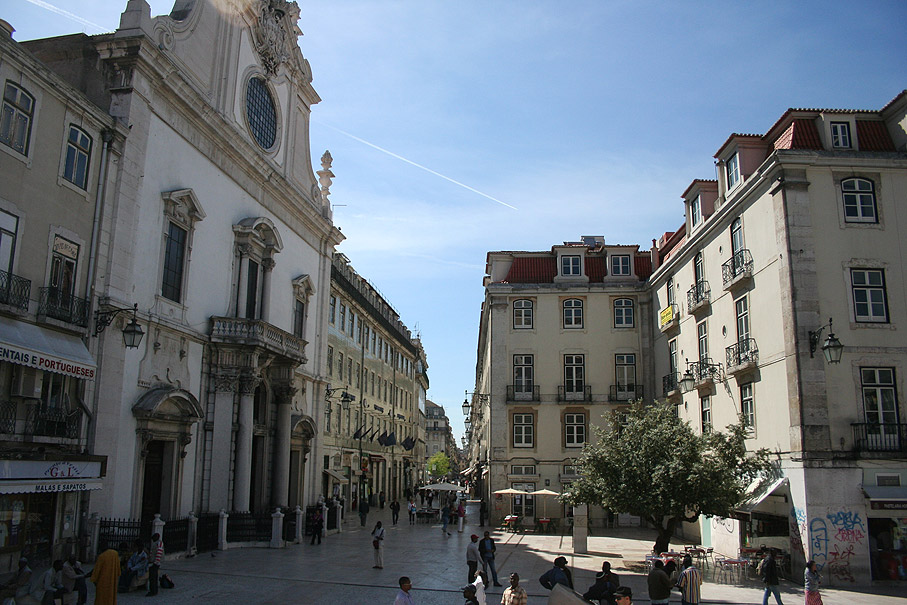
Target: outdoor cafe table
(510, 520)
(739, 564)
(544, 524)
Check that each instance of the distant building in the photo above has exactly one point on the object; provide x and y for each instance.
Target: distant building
(439, 435)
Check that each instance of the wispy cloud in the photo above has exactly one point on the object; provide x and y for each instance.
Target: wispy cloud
(67, 14)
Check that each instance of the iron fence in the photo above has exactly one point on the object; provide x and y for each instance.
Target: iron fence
(249, 527)
(14, 290)
(879, 437)
(522, 392)
(207, 532)
(700, 294)
(625, 392)
(7, 417)
(574, 392)
(65, 307)
(112, 532)
(669, 384)
(53, 422)
(289, 525)
(741, 352)
(741, 264)
(176, 535)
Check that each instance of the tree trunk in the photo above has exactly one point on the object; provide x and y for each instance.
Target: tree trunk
(665, 532)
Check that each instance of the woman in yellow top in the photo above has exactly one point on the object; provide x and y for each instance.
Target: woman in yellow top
(106, 576)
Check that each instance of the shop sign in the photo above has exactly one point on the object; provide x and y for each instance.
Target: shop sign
(888, 504)
(48, 469)
(666, 315)
(23, 357)
(64, 486)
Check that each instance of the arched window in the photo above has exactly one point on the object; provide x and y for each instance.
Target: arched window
(859, 201)
(17, 112)
(78, 155)
(623, 313)
(573, 313)
(522, 314)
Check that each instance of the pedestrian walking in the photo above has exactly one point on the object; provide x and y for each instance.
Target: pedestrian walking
(395, 511)
(155, 557)
(559, 574)
(659, 584)
(403, 597)
(483, 512)
(811, 581)
(768, 570)
(378, 545)
(606, 583)
(411, 507)
(317, 525)
(472, 557)
(487, 548)
(445, 519)
(381, 499)
(422, 497)
(461, 516)
(431, 497)
(514, 594)
(74, 579)
(363, 511)
(105, 575)
(690, 583)
(480, 582)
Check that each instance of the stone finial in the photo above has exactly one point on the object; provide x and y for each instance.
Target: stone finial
(325, 177)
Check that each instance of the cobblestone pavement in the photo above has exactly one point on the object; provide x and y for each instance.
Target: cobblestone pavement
(339, 571)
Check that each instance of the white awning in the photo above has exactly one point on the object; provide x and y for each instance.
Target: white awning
(49, 486)
(884, 492)
(755, 498)
(338, 476)
(45, 349)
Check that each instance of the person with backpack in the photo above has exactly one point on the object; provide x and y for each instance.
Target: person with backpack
(606, 583)
(768, 571)
(559, 574)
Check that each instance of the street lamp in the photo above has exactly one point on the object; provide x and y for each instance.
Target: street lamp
(467, 423)
(831, 348)
(132, 333)
(464, 441)
(466, 407)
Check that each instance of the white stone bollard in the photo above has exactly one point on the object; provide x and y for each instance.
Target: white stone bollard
(580, 529)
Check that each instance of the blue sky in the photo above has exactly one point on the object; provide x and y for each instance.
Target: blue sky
(587, 117)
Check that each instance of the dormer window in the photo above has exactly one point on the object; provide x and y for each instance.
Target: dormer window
(840, 135)
(620, 264)
(733, 171)
(571, 265)
(696, 211)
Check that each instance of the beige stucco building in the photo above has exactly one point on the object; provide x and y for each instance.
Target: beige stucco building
(371, 435)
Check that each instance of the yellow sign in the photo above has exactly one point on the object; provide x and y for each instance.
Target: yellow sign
(667, 315)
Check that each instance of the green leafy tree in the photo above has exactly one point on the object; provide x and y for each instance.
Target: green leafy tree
(439, 465)
(654, 465)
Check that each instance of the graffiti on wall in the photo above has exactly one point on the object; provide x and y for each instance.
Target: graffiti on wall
(832, 540)
(797, 529)
(724, 524)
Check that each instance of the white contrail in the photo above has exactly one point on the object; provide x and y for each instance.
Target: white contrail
(429, 170)
(67, 14)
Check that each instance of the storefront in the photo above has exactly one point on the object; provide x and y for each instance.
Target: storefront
(887, 527)
(41, 506)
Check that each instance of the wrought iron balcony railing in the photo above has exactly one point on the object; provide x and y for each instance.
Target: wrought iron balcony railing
(53, 422)
(8, 417)
(699, 295)
(669, 384)
(884, 437)
(739, 267)
(574, 393)
(56, 304)
(625, 392)
(742, 353)
(522, 392)
(14, 290)
(705, 371)
(238, 330)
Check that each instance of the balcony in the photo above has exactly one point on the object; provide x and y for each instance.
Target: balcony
(523, 392)
(699, 296)
(625, 392)
(670, 385)
(885, 437)
(705, 372)
(574, 393)
(7, 417)
(53, 422)
(738, 271)
(668, 318)
(742, 356)
(14, 291)
(258, 333)
(53, 303)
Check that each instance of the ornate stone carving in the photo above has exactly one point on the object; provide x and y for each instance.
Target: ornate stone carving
(248, 383)
(145, 437)
(268, 264)
(225, 382)
(271, 34)
(283, 393)
(184, 440)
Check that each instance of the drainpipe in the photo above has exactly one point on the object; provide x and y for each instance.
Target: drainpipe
(107, 137)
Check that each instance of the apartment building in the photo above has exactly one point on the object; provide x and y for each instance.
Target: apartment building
(563, 339)
(376, 396)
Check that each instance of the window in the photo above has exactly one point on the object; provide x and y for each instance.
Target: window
(352, 325)
(840, 135)
(625, 374)
(623, 313)
(174, 262)
(705, 413)
(522, 314)
(524, 504)
(332, 316)
(523, 430)
(261, 113)
(374, 337)
(869, 297)
(880, 404)
(620, 264)
(888, 480)
(522, 469)
(342, 324)
(340, 365)
(298, 318)
(349, 370)
(743, 319)
(573, 313)
(569, 469)
(252, 289)
(9, 225)
(859, 201)
(702, 334)
(328, 408)
(574, 430)
(58, 391)
(570, 265)
(698, 270)
(16, 117)
(330, 361)
(670, 287)
(522, 374)
(63, 271)
(78, 151)
(736, 239)
(733, 171)
(748, 405)
(696, 211)
(574, 375)
(672, 356)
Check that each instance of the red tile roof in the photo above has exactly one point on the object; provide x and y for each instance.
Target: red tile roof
(643, 265)
(873, 136)
(532, 270)
(595, 268)
(801, 134)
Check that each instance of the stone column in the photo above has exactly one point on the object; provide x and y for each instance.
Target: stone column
(267, 266)
(580, 529)
(225, 384)
(277, 529)
(192, 548)
(157, 525)
(94, 530)
(280, 486)
(244, 251)
(300, 529)
(242, 478)
(222, 530)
